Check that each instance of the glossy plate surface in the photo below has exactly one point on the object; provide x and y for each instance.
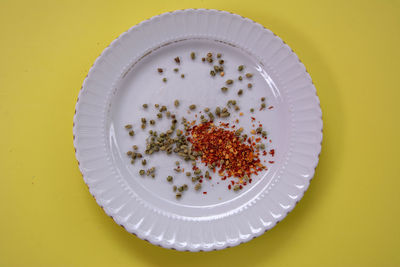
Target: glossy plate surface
(125, 76)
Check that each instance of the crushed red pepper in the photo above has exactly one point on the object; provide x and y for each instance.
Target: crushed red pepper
(221, 148)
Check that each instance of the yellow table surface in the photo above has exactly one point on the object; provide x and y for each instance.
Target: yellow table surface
(350, 215)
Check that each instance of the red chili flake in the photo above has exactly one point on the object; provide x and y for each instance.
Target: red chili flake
(270, 107)
(264, 153)
(229, 187)
(232, 182)
(205, 193)
(250, 180)
(271, 161)
(270, 140)
(272, 152)
(253, 119)
(221, 148)
(200, 181)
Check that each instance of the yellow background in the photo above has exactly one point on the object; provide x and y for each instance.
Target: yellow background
(350, 215)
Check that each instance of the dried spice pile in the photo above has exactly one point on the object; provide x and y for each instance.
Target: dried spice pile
(223, 148)
(226, 150)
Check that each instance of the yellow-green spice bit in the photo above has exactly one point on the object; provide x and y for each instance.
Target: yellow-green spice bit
(164, 80)
(263, 105)
(262, 99)
(178, 195)
(192, 55)
(192, 107)
(144, 162)
(221, 61)
(206, 110)
(188, 174)
(229, 81)
(129, 153)
(176, 70)
(240, 92)
(224, 89)
(182, 76)
(212, 73)
(159, 115)
(143, 120)
(249, 75)
(156, 105)
(152, 122)
(240, 78)
(240, 68)
(170, 178)
(135, 147)
(252, 110)
(236, 187)
(174, 188)
(131, 133)
(142, 172)
(128, 126)
(176, 103)
(219, 55)
(177, 60)
(145, 105)
(209, 54)
(197, 187)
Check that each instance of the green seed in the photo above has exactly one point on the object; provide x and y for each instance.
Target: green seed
(164, 80)
(249, 75)
(198, 171)
(264, 133)
(145, 105)
(163, 108)
(224, 89)
(176, 69)
(168, 114)
(182, 76)
(219, 55)
(207, 174)
(176, 103)
(185, 187)
(216, 68)
(240, 92)
(181, 188)
(252, 110)
(249, 85)
(236, 187)
(159, 115)
(128, 126)
(177, 60)
(212, 73)
(225, 114)
(177, 163)
(240, 78)
(218, 111)
(221, 61)
(139, 155)
(259, 130)
(142, 172)
(169, 178)
(229, 81)
(178, 195)
(206, 110)
(237, 108)
(156, 105)
(129, 153)
(203, 59)
(152, 122)
(197, 187)
(262, 146)
(135, 147)
(143, 120)
(192, 55)
(192, 107)
(144, 162)
(210, 60)
(240, 68)
(209, 54)
(174, 188)
(262, 99)
(263, 105)
(131, 133)
(188, 173)
(132, 161)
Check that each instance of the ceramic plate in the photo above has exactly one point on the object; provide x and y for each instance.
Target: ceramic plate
(125, 76)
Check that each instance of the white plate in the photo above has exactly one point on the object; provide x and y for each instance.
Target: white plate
(125, 76)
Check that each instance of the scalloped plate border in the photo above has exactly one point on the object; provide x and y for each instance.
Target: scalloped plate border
(280, 203)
